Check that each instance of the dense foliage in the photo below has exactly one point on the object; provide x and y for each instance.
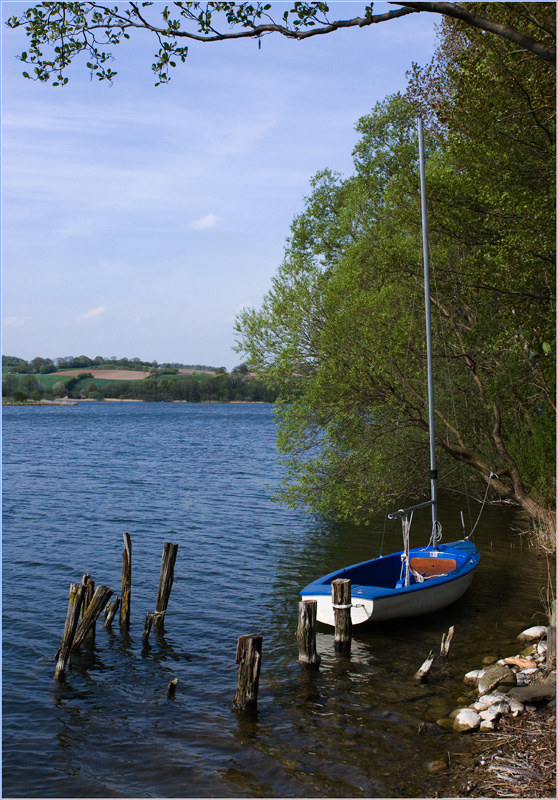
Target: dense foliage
(343, 323)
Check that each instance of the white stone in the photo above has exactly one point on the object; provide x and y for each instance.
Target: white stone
(542, 648)
(487, 700)
(456, 711)
(474, 676)
(466, 720)
(532, 634)
(487, 725)
(524, 676)
(516, 708)
(495, 711)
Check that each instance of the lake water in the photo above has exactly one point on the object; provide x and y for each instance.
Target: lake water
(75, 478)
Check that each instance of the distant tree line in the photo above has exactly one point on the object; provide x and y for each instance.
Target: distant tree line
(47, 365)
(164, 384)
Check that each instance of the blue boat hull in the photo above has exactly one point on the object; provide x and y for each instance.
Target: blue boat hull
(377, 586)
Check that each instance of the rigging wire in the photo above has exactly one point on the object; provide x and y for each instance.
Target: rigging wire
(492, 475)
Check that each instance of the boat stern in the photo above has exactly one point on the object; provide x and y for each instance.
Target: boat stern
(361, 608)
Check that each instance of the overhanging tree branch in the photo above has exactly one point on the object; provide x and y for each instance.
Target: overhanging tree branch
(68, 29)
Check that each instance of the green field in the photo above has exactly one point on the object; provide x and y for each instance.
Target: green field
(192, 387)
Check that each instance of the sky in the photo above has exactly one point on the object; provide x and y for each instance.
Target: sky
(137, 221)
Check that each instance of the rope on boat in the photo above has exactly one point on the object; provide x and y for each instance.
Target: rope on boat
(492, 475)
(405, 560)
(436, 534)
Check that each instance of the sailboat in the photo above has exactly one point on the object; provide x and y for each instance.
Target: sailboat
(411, 581)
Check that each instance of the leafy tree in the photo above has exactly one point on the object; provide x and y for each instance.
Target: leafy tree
(9, 385)
(68, 30)
(10, 361)
(19, 396)
(343, 326)
(30, 384)
(241, 370)
(43, 365)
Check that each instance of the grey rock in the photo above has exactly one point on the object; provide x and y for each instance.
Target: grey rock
(487, 700)
(537, 693)
(533, 634)
(496, 675)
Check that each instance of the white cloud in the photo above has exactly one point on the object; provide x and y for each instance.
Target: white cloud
(15, 322)
(209, 221)
(93, 313)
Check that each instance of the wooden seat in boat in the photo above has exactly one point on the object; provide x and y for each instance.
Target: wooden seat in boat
(433, 567)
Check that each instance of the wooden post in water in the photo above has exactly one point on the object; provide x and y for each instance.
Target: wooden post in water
(97, 604)
(110, 611)
(341, 601)
(126, 592)
(89, 591)
(171, 689)
(166, 579)
(147, 628)
(249, 659)
(72, 617)
(306, 633)
(446, 641)
(422, 672)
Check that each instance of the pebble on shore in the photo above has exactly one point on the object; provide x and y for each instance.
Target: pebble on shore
(508, 686)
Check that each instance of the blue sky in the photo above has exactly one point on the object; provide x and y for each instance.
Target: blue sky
(138, 220)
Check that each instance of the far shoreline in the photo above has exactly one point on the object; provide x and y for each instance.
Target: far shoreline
(76, 401)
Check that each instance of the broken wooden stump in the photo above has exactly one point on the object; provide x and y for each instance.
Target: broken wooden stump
(149, 620)
(126, 592)
(171, 689)
(248, 658)
(306, 633)
(89, 591)
(420, 674)
(110, 611)
(72, 617)
(166, 580)
(446, 641)
(341, 601)
(95, 607)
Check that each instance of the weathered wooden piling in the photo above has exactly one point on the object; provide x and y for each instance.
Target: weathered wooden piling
(306, 633)
(126, 593)
(171, 689)
(72, 617)
(166, 579)
(110, 611)
(89, 591)
(249, 659)
(446, 641)
(147, 629)
(95, 607)
(422, 672)
(341, 601)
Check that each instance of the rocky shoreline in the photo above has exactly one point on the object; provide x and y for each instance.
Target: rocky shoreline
(508, 716)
